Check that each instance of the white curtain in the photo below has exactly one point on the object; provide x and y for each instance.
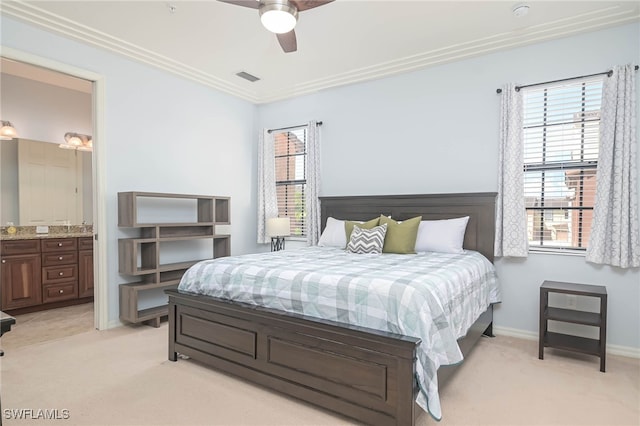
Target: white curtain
(511, 220)
(615, 238)
(267, 196)
(312, 202)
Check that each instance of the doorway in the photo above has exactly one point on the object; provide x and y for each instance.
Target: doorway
(95, 83)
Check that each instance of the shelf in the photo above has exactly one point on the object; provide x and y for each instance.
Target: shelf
(572, 288)
(170, 224)
(141, 256)
(572, 343)
(573, 316)
(208, 209)
(150, 286)
(152, 313)
(177, 266)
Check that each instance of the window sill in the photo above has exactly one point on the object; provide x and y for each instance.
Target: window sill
(303, 239)
(561, 252)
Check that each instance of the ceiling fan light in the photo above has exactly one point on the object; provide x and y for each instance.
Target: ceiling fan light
(278, 17)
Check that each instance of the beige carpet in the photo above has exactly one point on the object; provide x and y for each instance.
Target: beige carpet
(122, 377)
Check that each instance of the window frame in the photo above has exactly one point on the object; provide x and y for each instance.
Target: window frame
(586, 168)
(292, 182)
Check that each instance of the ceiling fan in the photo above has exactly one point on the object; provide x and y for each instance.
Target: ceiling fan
(280, 16)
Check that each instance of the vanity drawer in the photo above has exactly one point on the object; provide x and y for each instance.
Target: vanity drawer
(59, 244)
(62, 291)
(20, 247)
(62, 258)
(56, 274)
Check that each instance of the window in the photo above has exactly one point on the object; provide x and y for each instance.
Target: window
(291, 178)
(561, 140)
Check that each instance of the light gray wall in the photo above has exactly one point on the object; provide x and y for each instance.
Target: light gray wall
(436, 131)
(163, 134)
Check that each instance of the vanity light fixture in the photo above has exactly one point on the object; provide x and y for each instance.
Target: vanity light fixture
(77, 141)
(7, 131)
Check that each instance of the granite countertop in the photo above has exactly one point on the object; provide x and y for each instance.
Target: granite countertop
(57, 231)
(42, 236)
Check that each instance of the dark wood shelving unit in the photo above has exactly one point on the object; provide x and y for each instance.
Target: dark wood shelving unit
(140, 256)
(568, 342)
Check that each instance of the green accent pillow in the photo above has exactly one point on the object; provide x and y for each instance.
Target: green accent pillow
(348, 226)
(401, 237)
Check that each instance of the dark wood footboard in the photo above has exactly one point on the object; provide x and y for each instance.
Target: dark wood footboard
(361, 373)
(364, 374)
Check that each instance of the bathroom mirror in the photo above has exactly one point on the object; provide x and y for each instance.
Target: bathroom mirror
(43, 184)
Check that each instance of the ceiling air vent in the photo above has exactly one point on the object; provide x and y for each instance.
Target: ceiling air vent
(247, 76)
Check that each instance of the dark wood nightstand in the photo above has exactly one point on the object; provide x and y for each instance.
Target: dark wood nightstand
(584, 345)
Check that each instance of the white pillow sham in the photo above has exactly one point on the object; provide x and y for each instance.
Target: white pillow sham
(334, 234)
(444, 236)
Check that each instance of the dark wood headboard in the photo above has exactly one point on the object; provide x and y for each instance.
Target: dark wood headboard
(480, 207)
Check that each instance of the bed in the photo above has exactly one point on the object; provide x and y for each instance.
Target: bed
(363, 373)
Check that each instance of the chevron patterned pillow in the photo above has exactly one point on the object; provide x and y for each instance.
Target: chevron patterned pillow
(365, 241)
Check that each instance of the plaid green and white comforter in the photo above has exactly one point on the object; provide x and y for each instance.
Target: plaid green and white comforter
(433, 296)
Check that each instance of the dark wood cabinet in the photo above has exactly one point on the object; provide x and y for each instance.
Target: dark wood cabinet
(21, 274)
(59, 269)
(46, 273)
(568, 342)
(85, 267)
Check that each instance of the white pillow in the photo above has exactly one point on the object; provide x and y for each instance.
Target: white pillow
(445, 236)
(334, 234)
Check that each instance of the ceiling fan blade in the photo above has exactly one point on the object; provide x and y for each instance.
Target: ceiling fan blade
(288, 41)
(308, 4)
(253, 4)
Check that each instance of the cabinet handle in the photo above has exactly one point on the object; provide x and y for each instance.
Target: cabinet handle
(61, 273)
(60, 258)
(4, 261)
(61, 291)
(59, 244)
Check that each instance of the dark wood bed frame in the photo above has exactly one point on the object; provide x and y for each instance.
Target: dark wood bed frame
(364, 374)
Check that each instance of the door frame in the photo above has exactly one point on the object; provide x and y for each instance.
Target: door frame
(100, 301)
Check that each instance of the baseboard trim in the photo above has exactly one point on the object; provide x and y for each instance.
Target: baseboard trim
(529, 335)
(115, 323)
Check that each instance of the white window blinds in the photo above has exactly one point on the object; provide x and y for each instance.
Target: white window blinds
(290, 158)
(561, 138)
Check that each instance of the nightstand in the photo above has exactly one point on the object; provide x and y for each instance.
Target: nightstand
(568, 342)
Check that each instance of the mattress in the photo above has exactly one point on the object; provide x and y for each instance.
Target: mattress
(433, 296)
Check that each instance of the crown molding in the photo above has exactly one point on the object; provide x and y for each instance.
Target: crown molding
(592, 21)
(596, 20)
(75, 30)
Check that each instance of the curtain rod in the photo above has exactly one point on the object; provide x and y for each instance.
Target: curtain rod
(607, 73)
(318, 123)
